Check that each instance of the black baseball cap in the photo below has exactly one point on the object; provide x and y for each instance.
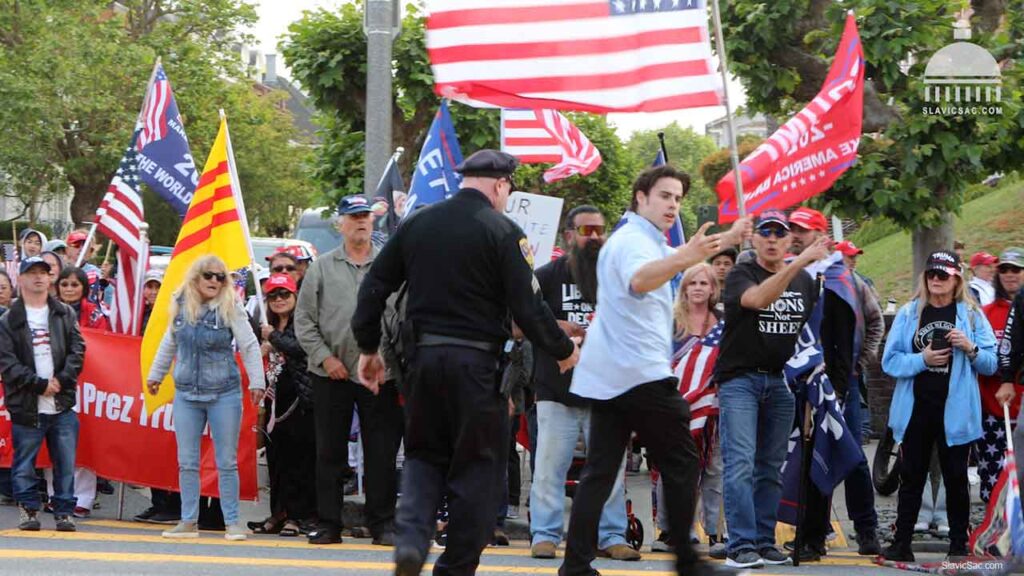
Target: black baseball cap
(944, 261)
(773, 217)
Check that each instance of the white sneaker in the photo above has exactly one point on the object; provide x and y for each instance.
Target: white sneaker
(182, 530)
(972, 476)
(235, 532)
(921, 528)
(942, 531)
(512, 512)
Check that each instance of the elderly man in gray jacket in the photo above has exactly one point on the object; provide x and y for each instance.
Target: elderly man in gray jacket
(327, 301)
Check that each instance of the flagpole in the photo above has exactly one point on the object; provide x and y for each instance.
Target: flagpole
(236, 191)
(140, 282)
(394, 158)
(664, 151)
(138, 119)
(730, 122)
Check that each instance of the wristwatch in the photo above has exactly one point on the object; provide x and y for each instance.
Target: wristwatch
(973, 353)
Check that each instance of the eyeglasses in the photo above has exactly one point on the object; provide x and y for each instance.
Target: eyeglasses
(1009, 269)
(511, 182)
(283, 268)
(937, 274)
(590, 229)
(768, 231)
(220, 276)
(278, 295)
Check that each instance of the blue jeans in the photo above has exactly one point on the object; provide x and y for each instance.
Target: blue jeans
(558, 430)
(61, 434)
(225, 418)
(757, 413)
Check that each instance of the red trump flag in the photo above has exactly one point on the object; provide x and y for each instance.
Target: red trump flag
(811, 151)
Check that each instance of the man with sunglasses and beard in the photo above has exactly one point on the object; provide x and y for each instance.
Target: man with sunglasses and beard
(569, 286)
(767, 303)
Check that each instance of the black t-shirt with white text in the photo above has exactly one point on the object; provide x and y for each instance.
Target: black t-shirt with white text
(761, 339)
(566, 303)
(932, 384)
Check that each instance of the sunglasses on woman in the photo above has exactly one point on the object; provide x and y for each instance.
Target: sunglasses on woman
(767, 231)
(1009, 269)
(278, 295)
(219, 276)
(283, 268)
(937, 274)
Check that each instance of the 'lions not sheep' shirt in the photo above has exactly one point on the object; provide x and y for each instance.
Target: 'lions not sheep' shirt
(762, 339)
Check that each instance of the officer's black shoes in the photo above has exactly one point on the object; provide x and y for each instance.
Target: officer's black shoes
(898, 552)
(384, 539)
(325, 533)
(957, 550)
(867, 544)
(809, 553)
(408, 562)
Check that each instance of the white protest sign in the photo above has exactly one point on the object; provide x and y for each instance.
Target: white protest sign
(538, 217)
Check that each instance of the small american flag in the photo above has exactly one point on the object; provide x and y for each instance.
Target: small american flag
(154, 113)
(10, 253)
(536, 136)
(119, 217)
(590, 55)
(694, 369)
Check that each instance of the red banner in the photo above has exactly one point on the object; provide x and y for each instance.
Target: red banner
(810, 151)
(119, 441)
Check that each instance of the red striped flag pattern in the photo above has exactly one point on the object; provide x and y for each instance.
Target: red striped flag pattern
(120, 217)
(590, 55)
(539, 136)
(694, 370)
(154, 112)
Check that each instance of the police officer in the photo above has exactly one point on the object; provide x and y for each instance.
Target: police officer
(466, 266)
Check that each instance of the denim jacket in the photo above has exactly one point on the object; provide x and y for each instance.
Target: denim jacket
(204, 355)
(963, 403)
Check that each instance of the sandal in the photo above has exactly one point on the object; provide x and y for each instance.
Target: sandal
(268, 526)
(290, 529)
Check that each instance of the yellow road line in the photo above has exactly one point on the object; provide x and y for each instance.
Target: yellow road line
(833, 559)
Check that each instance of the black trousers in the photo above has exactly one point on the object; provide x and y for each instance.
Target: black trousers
(456, 442)
(515, 478)
(658, 413)
(291, 462)
(925, 430)
(380, 432)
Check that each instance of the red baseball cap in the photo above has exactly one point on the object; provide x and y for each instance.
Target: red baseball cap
(848, 248)
(280, 282)
(983, 259)
(808, 218)
(299, 252)
(76, 237)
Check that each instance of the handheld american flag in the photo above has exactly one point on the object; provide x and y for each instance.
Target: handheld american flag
(120, 218)
(537, 136)
(590, 55)
(1001, 533)
(694, 367)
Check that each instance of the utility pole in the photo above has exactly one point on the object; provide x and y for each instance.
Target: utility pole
(382, 22)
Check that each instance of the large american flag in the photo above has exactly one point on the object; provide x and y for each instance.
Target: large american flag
(540, 136)
(154, 111)
(694, 368)
(591, 55)
(120, 217)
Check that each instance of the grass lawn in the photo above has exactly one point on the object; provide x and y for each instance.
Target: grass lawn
(991, 223)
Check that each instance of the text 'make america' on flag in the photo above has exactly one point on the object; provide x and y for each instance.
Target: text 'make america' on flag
(120, 217)
(597, 56)
(542, 136)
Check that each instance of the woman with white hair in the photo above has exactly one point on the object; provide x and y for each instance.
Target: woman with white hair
(206, 318)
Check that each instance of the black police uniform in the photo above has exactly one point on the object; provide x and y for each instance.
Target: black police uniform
(466, 266)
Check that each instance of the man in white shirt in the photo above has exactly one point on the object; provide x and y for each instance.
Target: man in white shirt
(41, 353)
(625, 367)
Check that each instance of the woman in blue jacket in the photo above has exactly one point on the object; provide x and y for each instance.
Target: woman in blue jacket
(937, 346)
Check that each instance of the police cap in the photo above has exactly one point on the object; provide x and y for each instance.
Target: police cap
(488, 163)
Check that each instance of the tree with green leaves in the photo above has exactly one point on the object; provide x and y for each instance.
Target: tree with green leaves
(72, 79)
(913, 167)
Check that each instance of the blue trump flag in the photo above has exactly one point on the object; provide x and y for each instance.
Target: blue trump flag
(164, 158)
(434, 177)
(834, 451)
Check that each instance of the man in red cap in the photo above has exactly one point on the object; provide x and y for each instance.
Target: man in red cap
(983, 271)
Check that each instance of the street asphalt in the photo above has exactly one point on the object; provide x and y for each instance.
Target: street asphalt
(105, 546)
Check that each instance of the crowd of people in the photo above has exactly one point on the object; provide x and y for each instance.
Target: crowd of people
(438, 339)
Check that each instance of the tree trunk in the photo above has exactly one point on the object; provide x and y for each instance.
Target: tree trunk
(85, 201)
(928, 240)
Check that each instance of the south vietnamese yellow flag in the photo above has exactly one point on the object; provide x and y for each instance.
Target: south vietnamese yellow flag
(214, 224)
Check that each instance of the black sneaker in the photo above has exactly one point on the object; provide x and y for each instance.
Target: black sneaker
(898, 553)
(145, 515)
(28, 520)
(773, 557)
(867, 544)
(103, 486)
(500, 538)
(441, 538)
(325, 534)
(165, 518)
(809, 553)
(957, 550)
(744, 559)
(64, 523)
